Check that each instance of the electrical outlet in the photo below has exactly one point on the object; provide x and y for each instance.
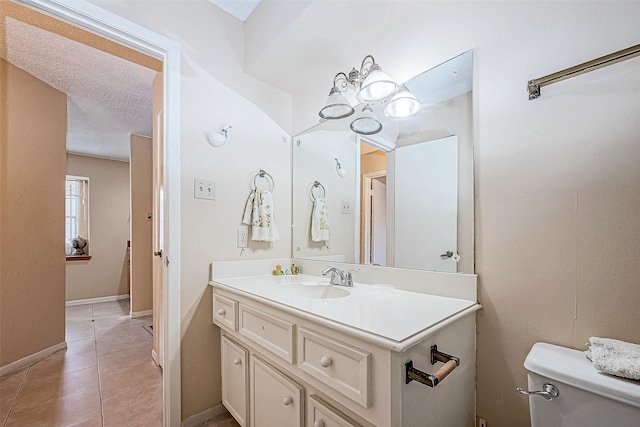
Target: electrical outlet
(203, 189)
(243, 237)
(482, 422)
(346, 207)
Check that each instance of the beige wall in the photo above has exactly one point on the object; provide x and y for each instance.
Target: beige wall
(141, 227)
(106, 273)
(32, 171)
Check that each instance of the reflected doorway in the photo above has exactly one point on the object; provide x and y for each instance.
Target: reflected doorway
(374, 190)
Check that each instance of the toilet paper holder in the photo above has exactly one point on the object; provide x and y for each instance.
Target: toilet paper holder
(432, 380)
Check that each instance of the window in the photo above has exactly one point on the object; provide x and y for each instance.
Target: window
(77, 213)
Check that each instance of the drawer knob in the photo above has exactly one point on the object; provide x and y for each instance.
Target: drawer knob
(287, 400)
(221, 312)
(318, 423)
(325, 361)
(237, 361)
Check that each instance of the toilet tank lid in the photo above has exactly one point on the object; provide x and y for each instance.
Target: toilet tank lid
(572, 367)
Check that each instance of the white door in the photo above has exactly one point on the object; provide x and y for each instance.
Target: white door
(158, 264)
(426, 187)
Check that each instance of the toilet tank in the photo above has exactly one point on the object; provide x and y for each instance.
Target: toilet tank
(587, 398)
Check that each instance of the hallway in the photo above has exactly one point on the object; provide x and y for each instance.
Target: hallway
(105, 377)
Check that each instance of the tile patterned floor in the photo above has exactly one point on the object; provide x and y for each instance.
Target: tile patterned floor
(104, 378)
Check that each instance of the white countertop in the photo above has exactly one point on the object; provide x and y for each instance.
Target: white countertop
(379, 313)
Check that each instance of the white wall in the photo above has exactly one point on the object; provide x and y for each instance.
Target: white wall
(557, 234)
(557, 230)
(214, 92)
(314, 160)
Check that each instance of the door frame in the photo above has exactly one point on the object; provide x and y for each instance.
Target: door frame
(366, 212)
(115, 28)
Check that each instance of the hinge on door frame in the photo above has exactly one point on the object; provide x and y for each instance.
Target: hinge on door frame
(166, 261)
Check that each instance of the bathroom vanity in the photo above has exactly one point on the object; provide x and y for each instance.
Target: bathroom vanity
(297, 351)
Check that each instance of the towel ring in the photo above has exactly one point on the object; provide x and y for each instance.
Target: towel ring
(263, 174)
(315, 185)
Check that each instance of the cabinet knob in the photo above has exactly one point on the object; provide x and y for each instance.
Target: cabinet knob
(325, 361)
(318, 423)
(221, 312)
(237, 361)
(287, 400)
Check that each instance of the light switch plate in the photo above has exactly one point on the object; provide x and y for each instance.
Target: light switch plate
(203, 189)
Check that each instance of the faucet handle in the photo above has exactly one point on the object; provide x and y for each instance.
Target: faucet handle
(348, 279)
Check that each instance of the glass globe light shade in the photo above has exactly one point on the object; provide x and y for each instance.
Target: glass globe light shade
(336, 107)
(403, 105)
(377, 86)
(367, 123)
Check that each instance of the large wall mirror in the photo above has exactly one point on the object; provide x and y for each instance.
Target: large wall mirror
(400, 198)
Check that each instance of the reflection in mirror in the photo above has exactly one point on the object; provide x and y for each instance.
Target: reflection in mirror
(407, 197)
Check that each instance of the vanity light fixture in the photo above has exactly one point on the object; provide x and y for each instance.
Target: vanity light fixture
(370, 83)
(367, 123)
(217, 140)
(342, 172)
(403, 105)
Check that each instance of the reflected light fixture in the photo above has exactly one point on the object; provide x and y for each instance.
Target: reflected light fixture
(403, 105)
(342, 172)
(367, 123)
(217, 140)
(370, 83)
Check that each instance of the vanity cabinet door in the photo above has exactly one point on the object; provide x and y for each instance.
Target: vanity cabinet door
(235, 384)
(322, 414)
(275, 399)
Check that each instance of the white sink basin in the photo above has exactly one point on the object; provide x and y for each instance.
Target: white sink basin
(305, 290)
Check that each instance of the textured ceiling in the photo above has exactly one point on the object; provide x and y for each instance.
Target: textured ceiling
(241, 9)
(108, 97)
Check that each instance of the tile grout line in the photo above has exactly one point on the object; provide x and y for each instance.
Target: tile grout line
(15, 399)
(95, 346)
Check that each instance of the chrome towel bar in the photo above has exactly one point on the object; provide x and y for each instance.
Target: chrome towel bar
(533, 86)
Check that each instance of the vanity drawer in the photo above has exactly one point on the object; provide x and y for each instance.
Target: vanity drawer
(344, 368)
(272, 333)
(321, 414)
(225, 312)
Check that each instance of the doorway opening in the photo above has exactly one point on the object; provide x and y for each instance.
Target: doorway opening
(119, 30)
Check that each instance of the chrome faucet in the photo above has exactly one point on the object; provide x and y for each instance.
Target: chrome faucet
(339, 277)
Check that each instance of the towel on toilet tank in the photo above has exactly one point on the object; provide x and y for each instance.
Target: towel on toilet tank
(615, 357)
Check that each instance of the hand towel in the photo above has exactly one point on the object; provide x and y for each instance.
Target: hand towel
(615, 357)
(319, 221)
(258, 213)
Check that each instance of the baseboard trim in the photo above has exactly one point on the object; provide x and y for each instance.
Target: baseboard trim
(155, 358)
(96, 300)
(198, 419)
(35, 357)
(135, 314)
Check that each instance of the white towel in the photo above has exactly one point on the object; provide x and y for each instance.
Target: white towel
(258, 213)
(615, 357)
(319, 221)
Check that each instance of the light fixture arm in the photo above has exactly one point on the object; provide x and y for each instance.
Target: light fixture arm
(341, 82)
(364, 71)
